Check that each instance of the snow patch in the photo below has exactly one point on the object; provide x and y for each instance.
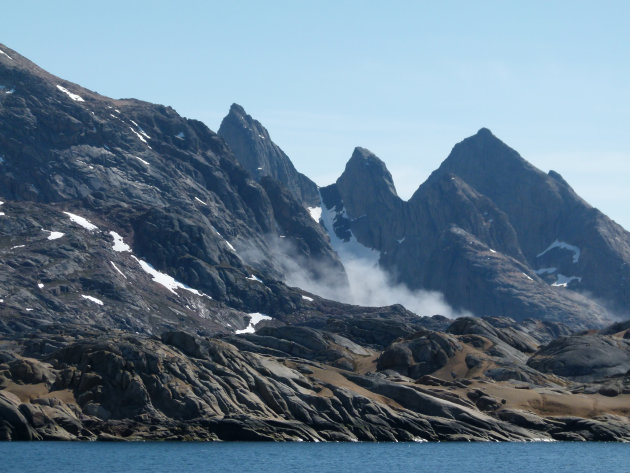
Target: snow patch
(306, 298)
(85, 223)
(255, 318)
(492, 251)
(5, 54)
(347, 250)
(140, 130)
(564, 246)
(40, 285)
(119, 244)
(142, 160)
(564, 281)
(22, 246)
(254, 278)
(180, 135)
(165, 280)
(200, 201)
(119, 271)
(527, 276)
(227, 243)
(93, 299)
(75, 97)
(316, 213)
(139, 136)
(54, 235)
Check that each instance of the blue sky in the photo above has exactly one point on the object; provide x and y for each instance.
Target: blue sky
(406, 80)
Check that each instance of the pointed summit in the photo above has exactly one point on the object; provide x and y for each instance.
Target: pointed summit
(252, 146)
(483, 131)
(366, 181)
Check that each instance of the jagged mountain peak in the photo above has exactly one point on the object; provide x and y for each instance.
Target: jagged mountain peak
(483, 148)
(367, 170)
(252, 126)
(252, 146)
(483, 131)
(237, 109)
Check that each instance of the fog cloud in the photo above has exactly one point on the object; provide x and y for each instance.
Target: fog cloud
(367, 284)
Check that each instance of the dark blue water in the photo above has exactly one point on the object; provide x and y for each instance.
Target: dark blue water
(302, 457)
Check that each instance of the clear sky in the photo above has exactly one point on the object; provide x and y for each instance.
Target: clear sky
(405, 79)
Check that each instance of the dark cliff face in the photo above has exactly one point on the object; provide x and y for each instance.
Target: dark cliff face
(167, 184)
(253, 148)
(491, 232)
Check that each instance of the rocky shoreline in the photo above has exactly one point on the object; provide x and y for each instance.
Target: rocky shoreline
(295, 383)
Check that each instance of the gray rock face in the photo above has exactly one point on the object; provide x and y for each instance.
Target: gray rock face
(252, 146)
(543, 210)
(491, 232)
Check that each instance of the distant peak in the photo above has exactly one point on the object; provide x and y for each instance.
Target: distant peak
(484, 132)
(363, 153)
(366, 169)
(237, 109)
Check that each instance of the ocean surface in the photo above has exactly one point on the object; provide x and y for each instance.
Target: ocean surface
(58, 457)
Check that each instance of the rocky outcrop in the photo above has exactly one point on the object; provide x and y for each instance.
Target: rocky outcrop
(423, 353)
(586, 357)
(252, 146)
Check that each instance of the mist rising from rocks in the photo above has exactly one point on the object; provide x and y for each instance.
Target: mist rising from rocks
(366, 284)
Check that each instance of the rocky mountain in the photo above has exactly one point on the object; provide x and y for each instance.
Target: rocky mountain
(494, 234)
(141, 293)
(168, 186)
(252, 146)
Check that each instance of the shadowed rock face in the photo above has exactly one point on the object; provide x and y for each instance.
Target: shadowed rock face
(252, 146)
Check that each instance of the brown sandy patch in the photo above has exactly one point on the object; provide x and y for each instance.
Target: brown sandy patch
(334, 377)
(546, 403)
(64, 395)
(365, 364)
(27, 392)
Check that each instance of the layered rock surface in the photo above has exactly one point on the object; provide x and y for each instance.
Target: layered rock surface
(297, 383)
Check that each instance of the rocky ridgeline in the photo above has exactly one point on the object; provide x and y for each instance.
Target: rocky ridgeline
(491, 232)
